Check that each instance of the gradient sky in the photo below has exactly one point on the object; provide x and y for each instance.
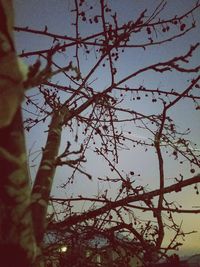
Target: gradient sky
(38, 13)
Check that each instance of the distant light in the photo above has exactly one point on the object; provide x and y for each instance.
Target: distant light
(63, 249)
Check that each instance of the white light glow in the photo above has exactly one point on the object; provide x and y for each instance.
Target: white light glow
(63, 249)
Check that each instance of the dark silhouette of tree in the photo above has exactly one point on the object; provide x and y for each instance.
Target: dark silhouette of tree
(99, 117)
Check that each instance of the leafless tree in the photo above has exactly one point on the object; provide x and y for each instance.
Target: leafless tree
(95, 102)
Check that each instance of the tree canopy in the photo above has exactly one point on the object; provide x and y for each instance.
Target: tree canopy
(110, 105)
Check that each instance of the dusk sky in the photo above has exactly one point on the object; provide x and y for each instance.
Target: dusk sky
(57, 16)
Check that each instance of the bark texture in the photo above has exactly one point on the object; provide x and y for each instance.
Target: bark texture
(17, 242)
(44, 178)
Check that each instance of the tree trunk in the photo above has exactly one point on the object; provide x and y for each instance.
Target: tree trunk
(17, 242)
(45, 175)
